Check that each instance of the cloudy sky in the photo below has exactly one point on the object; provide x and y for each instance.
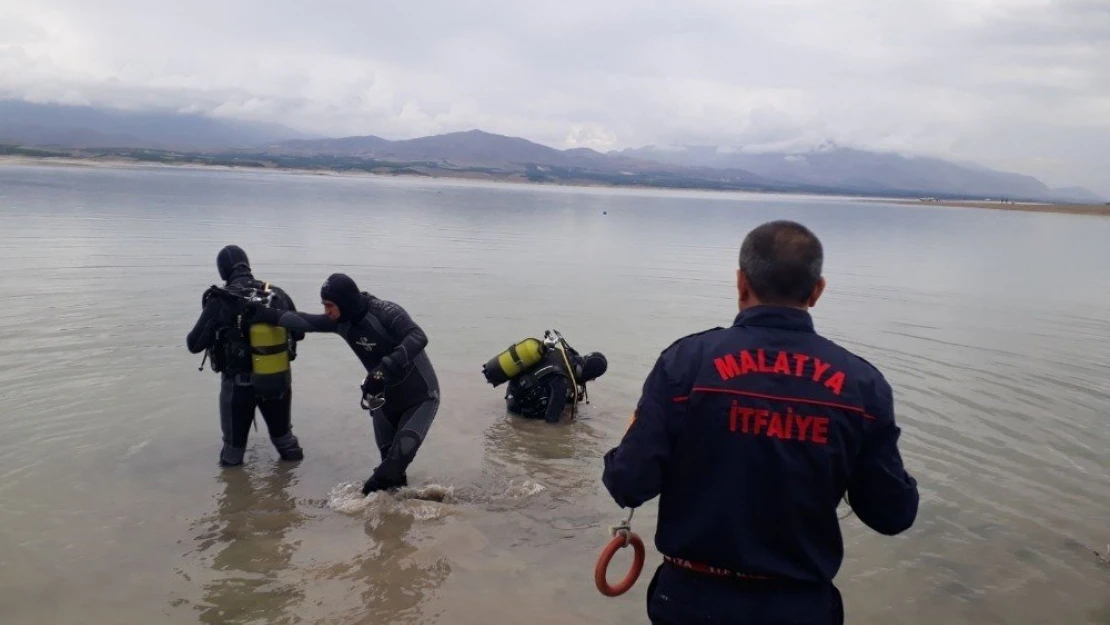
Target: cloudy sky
(1022, 85)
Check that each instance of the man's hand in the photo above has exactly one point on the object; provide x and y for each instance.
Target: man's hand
(372, 386)
(390, 370)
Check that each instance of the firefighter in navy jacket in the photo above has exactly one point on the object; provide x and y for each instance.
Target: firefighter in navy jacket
(750, 436)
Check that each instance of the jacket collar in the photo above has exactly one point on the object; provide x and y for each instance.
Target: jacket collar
(781, 317)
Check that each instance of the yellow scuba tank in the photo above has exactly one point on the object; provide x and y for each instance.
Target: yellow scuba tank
(270, 371)
(513, 361)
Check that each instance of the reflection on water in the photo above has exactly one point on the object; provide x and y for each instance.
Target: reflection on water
(391, 584)
(246, 544)
(246, 541)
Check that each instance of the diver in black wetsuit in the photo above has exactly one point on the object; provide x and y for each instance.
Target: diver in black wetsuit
(219, 331)
(391, 348)
(542, 392)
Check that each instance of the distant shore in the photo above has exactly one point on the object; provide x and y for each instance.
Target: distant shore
(116, 163)
(1102, 210)
(72, 161)
(110, 162)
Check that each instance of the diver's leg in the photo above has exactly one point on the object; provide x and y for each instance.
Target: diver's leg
(236, 414)
(415, 423)
(386, 425)
(411, 430)
(278, 415)
(385, 428)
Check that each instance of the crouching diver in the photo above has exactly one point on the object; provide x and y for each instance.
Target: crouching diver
(391, 348)
(544, 376)
(253, 360)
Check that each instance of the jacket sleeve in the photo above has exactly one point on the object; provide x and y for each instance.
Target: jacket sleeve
(634, 470)
(296, 321)
(411, 339)
(203, 333)
(556, 398)
(298, 335)
(881, 492)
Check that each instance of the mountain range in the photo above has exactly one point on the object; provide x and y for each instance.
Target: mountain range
(828, 168)
(58, 125)
(875, 172)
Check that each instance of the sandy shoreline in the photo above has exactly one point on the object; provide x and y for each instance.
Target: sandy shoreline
(1071, 209)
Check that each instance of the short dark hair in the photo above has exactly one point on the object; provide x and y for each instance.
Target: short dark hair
(782, 261)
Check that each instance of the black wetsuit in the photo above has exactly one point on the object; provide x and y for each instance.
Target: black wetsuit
(387, 340)
(214, 331)
(543, 391)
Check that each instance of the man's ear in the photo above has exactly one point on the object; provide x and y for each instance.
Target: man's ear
(818, 289)
(743, 289)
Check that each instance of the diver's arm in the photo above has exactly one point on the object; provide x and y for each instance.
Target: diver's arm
(556, 398)
(305, 322)
(298, 335)
(411, 337)
(292, 320)
(204, 332)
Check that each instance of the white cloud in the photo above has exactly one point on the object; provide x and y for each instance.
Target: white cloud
(1016, 84)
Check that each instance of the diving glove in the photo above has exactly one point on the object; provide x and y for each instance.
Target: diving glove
(372, 385)
(389, 370)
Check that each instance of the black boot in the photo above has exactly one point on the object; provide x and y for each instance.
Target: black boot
(288, 447)
(385, 477)
(231, 456)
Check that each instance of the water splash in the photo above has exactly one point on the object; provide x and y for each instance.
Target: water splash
(429, 492)
(425, 512)
(523, 489)
(347, 497)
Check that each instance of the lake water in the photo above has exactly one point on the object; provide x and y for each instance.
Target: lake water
(993, 327)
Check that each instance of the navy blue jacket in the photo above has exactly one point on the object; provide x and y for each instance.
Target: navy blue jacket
(750, 436)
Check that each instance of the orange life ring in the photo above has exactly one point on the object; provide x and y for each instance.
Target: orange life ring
(619, 542)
